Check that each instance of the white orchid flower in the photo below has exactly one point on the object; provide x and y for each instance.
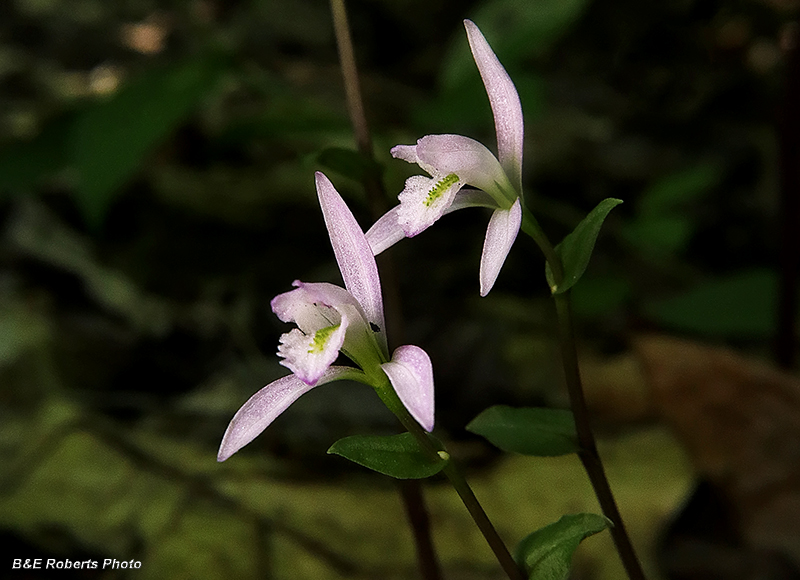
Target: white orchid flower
(453, 161)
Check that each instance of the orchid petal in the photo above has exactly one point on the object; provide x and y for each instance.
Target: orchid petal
(262, 408)
(470, 160)
(505, 103)
(424, 200)
(329, 319)
(471, 198)
(311, 306)
(309, 355)
(385, 232)
(500, 235)
(353, 254)
(408, 153)
(411, 374)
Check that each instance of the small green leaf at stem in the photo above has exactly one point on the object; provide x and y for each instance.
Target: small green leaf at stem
(530, 431)
(546, 554)
(398, 456)
(576, 249)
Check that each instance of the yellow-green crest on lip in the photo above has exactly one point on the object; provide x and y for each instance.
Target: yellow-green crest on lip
(321, 338)
(441, 186)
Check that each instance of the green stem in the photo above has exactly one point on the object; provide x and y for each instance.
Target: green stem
(531, 227)
(588, 447)
(589, 456)
(390, 399)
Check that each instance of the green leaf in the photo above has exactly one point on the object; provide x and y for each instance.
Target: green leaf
(678, 188)
(349, 163)
(112, 137)
(741, 305)
(659, 235)
(546, 553)
(515, 30)
(598, 296)
(662, 226)
(576, 249)
(529, 431)
(398, 456)
(25, 164)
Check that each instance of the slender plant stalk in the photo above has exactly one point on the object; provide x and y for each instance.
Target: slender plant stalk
(411, 490)
(589, 456)
(451, 471)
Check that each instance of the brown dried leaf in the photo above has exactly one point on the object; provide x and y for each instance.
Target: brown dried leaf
(740, 421)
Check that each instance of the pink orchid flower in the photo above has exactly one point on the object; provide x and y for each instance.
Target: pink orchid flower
(330, 320)
(453, 161)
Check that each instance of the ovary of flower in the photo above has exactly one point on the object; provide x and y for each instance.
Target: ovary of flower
(453, 161)
(330, 320)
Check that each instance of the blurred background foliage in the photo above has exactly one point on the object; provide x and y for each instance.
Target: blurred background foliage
(156, 191)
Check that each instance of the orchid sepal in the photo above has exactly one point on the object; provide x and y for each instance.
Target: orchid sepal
(505, 103)
(353, 255)
(269, 402)
(501, 233)
(411, 374)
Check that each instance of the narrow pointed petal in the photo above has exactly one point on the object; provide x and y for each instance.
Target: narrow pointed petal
(504, 100)
(353, 254)
(411, 374)
(262, 408)
(500, 235)
(385, 232)
(469, 160)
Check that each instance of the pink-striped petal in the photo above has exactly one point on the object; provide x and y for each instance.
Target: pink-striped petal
(262, 408)
(505, 103)
(500, 235)
(411, 374)
(353, 254)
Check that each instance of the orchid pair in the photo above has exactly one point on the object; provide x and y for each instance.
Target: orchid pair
(331, 319)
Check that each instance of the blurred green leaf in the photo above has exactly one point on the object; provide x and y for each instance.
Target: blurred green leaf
(530, 431)
(465, 109)
(659, 234)
(678, 188)
(24, 164)
(111, 138)
(741, 305)
(398, 456)
(662, 225)
(576, 249)
(547, 553)
(515, 30)
(349, 163)
(599, 295)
